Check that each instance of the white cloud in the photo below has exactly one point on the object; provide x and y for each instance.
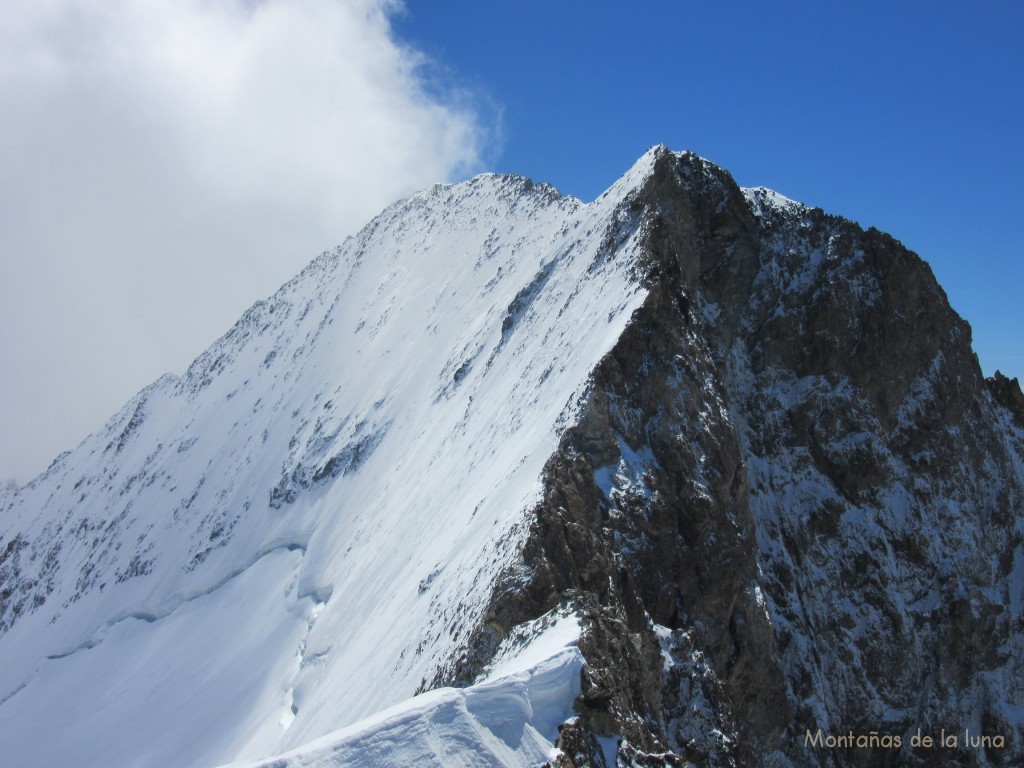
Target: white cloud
(164, 163)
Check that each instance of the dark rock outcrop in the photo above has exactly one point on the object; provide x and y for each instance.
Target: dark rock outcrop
(790, 513)
(1007, 393)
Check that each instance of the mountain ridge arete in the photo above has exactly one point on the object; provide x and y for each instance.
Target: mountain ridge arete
(691, 474)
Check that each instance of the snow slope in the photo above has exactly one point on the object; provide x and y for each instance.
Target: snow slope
(733, 452)
(297, 532)
(510, 719)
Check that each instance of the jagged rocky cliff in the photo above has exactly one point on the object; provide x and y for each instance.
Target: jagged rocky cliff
(735, 452)
(791, 502)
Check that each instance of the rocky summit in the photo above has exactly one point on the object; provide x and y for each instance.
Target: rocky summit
(688, 475)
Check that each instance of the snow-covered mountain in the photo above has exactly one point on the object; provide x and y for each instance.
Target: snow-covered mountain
(684, 474)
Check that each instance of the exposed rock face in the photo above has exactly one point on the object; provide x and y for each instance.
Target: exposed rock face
(792, 502)
(746, 443)
(1008, 394)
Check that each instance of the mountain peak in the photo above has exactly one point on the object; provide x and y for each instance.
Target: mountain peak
(633, 475)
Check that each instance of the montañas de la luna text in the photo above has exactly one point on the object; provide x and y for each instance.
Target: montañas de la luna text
(877, 740)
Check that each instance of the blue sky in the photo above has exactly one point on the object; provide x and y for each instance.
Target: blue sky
(905, 116)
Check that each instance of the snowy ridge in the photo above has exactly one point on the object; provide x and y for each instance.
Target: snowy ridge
(679, 474)
(339, 426)
(767, 203)
(510, 720)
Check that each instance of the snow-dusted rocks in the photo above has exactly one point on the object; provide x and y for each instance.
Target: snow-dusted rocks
(693, 468)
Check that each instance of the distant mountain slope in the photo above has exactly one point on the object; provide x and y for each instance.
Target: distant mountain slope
(740, 447)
